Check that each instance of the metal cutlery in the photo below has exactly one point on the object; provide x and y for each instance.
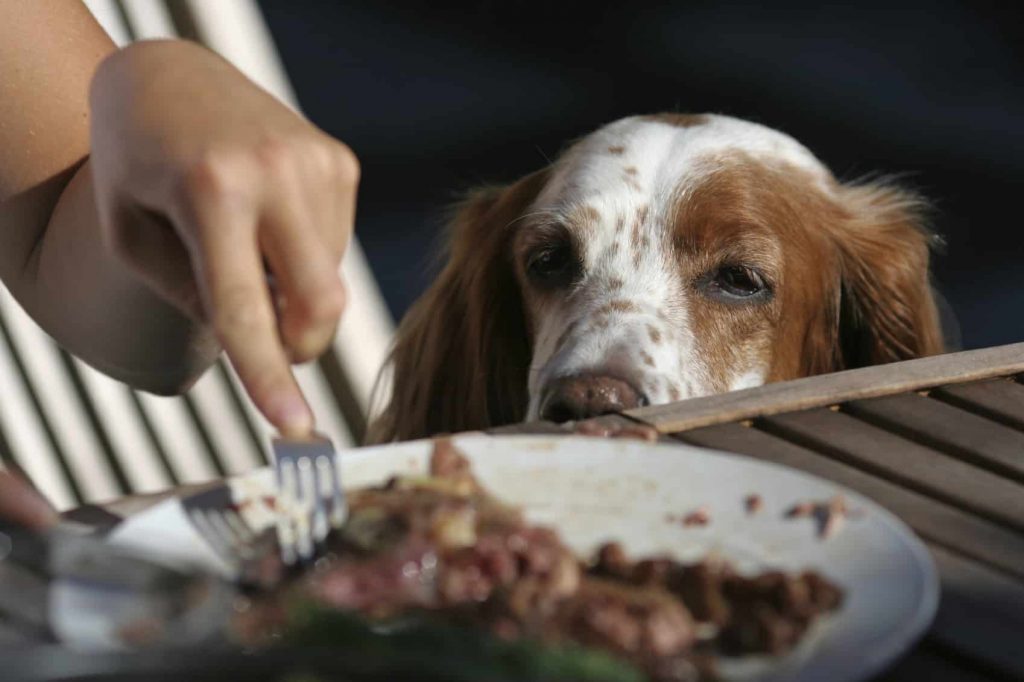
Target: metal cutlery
(67, 586)
(310, 499)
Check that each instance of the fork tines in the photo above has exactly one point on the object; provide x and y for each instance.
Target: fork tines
(226, 532)
(310, 499)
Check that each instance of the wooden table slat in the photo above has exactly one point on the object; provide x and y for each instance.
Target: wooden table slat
(946, 525)
(1000, 400)
(947, 428)
(830, 389)
(902, 461)
(981, 614)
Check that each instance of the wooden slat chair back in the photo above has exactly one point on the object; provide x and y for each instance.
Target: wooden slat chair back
(82, 437)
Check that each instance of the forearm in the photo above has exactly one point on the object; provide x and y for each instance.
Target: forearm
(96, 308)
(52, 256)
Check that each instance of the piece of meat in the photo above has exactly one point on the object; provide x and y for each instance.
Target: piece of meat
(801, 510)
(756, 628)
(446, 461)
(766, 613)
(701, 516)
(379, 585)
(637, 622)
(700, 587)
(830, 514)
(773, 610)
(612, 561)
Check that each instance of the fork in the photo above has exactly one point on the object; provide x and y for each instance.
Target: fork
(310, 499)
(227, 534)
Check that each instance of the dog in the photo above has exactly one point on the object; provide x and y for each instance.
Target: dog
(660, 258)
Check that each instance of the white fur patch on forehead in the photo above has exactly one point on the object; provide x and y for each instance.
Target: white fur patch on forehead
(654, 157)
(715, 133)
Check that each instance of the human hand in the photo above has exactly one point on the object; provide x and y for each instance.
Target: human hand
(22, 505)
(204, 182)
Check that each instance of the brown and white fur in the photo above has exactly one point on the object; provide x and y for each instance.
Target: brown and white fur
(622, 275)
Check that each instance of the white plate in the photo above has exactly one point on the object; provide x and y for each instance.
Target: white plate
(595, 490)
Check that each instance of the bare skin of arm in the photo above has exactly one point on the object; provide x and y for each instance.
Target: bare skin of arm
(21, 505)
(143, 192)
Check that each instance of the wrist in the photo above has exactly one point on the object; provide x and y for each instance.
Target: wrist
(145, 64)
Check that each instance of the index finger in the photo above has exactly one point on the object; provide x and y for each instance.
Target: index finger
(238, 302)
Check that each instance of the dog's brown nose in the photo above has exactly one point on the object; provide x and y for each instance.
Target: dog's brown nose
(588, 395)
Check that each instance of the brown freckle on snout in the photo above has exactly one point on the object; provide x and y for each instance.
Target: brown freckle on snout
(619, 305)
(654, 333)
(590, 214)
(637, 258)
(615, 283)
(620, 223)
(673, 393)
(638, 225)
(646, 357)
(618, 150)
(613, 249)
(601, 323)
(641, 214)
(630, 170)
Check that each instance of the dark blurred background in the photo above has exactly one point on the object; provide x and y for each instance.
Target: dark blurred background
(436, 98)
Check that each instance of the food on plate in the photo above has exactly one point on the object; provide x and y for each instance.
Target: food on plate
(440, 549)
(701, 516)
(829, 514)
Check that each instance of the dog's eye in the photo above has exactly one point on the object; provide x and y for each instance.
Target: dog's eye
(552, 265)
(738, 282)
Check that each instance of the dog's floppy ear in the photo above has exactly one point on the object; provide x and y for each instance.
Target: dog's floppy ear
(886, 308)
(462, 353)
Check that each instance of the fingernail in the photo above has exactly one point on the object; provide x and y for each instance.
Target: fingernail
(292, 416)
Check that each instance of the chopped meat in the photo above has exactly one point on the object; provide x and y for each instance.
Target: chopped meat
(830, 514)
(700, 587)
(835, 516)
(801, 510)
(824, 595)
(646, 622)
(442, 545)
(612, 562)
(446, 461)
(766, 613)
(700, 516)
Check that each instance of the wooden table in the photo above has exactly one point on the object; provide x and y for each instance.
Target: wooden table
(938, 441)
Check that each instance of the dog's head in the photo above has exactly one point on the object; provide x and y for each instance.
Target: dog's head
(660, 258)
